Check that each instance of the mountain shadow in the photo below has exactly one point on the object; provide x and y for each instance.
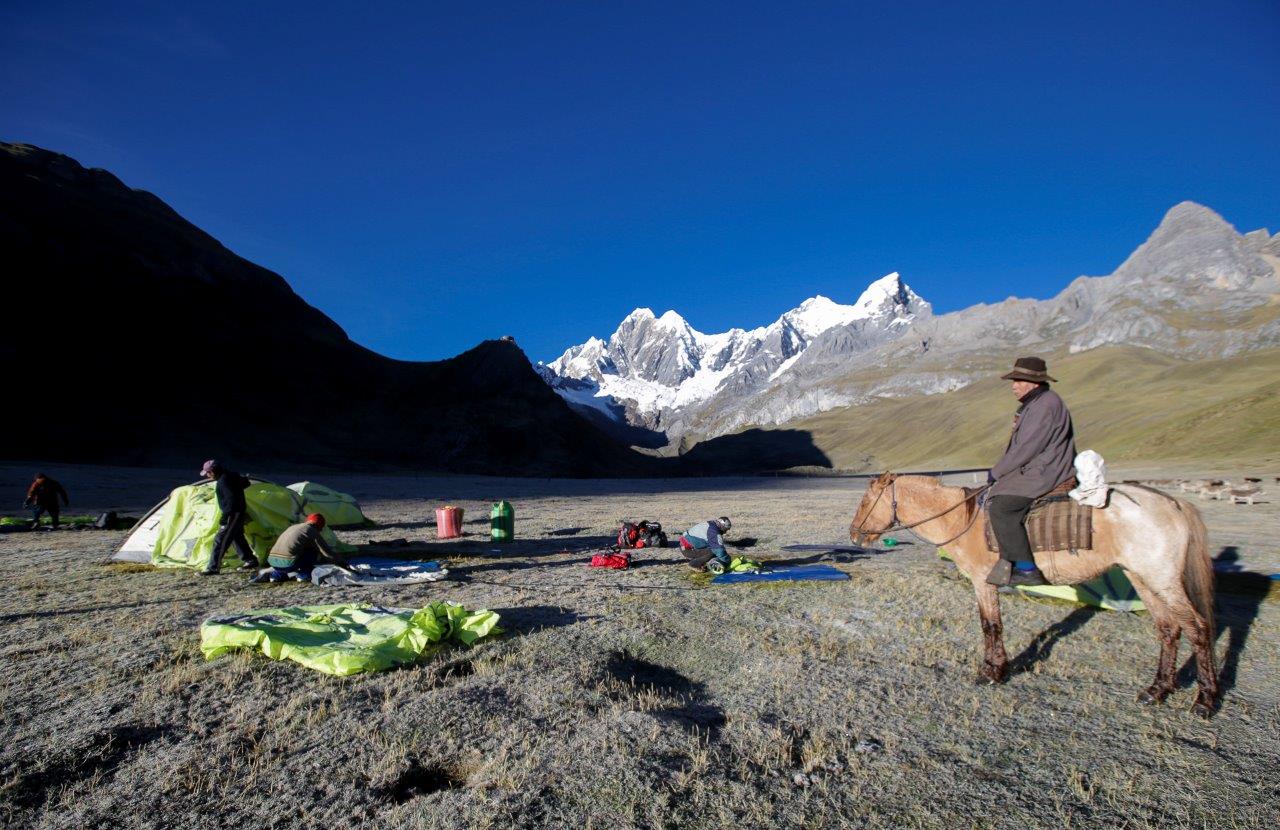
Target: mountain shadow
(754, 451)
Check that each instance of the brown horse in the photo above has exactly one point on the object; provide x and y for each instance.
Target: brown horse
(1158, 540)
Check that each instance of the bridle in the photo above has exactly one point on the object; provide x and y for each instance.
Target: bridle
(896, 524)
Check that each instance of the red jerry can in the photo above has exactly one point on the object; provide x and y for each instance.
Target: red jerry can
(448, 522)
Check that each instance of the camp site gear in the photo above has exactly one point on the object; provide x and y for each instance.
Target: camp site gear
(179, 531)
(641, 534)
(502, 522)
(448, 522)
(715, 566)
(1054, 522)
(375, 570)
(1030, 369)
(1112, 590)
(347, 639)
(615, 561)
(741, 564)
(339, 509)
(798, 573)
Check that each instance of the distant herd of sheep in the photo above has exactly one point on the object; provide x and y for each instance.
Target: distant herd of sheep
(1214, 488)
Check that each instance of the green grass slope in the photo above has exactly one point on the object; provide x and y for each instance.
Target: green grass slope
(1128, 404)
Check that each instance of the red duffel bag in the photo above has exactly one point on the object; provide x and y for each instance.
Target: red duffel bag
(616, 561)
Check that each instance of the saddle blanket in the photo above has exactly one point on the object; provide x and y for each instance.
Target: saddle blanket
(1055, 522)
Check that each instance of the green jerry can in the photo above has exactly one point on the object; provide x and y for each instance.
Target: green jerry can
(502, 522)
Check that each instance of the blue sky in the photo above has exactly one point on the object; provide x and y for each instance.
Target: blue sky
(433, 174)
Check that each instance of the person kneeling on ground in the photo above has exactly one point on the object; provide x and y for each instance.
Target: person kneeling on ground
(703, 546)
(294, 553)
(42, 497)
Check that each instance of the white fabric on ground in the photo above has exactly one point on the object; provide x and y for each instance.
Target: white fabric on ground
(372, 570)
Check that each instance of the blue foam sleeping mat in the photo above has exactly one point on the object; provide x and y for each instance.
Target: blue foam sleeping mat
(823, 573)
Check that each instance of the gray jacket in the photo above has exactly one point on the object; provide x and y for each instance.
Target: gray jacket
(1042, 449)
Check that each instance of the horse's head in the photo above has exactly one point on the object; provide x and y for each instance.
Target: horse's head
(875, 514)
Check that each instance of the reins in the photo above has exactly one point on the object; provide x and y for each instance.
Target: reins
(896, 524)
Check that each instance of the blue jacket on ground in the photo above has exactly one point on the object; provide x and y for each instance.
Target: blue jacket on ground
(706, 535)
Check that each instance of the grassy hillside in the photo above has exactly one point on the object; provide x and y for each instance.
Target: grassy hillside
(1128, 403)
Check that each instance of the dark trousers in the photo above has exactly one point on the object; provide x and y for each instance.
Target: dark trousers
(40, 509)
(1007, 514)
(232, 533)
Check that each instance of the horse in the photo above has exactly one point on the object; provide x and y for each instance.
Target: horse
(1159, 541)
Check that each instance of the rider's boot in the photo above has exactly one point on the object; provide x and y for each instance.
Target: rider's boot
(1000, 573)
(1027, 575)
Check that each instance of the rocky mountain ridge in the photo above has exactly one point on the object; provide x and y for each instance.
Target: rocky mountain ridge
(1196, 289)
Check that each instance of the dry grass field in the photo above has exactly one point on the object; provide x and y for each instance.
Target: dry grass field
(645, 698)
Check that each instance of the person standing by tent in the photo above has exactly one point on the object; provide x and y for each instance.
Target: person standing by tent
(703, 545)
(294, 554)
(1039, 459)
(42, 497)
(230, 489)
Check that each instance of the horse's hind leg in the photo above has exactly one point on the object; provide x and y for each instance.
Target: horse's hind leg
(1196, 628)
(1168, 631)
(995, 662)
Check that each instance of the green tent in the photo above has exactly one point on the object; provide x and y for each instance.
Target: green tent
(1112, 591)
(179, 532)
(347, 639)
(339, 509)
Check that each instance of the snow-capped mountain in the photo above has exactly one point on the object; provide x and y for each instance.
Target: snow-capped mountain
(657, 372)
(1196, 289)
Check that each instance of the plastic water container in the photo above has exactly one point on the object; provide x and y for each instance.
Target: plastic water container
(448, 522)
(502, 522)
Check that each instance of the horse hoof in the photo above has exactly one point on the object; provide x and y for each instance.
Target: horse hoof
(1202, 710)
(1150, 697)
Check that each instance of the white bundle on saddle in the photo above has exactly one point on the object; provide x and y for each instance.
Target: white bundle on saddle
(1091, 480)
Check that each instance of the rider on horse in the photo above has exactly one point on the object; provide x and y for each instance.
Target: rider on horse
(1039, 459)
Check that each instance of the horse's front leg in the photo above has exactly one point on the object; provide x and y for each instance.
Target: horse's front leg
(995, 663)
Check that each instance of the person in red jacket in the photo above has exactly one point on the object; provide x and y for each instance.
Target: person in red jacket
(42, 497)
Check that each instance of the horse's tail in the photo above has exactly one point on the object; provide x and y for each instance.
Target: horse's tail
(1197, 571)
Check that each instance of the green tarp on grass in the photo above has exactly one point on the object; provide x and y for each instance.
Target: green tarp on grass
(347, 639)
(1112, 591)
(190, 523)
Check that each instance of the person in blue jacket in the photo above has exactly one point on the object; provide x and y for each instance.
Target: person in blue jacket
(703, 545)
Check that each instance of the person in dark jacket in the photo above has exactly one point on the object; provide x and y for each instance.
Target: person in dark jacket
(42, 497)
(1040, 458)
(296, 551)
(230, 489)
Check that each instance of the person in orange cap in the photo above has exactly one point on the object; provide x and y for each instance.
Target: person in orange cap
(295, 553)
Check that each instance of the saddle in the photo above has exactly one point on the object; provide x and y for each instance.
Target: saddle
(1056, 522)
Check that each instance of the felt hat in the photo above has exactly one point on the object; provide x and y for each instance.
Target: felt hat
(1031, 369)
